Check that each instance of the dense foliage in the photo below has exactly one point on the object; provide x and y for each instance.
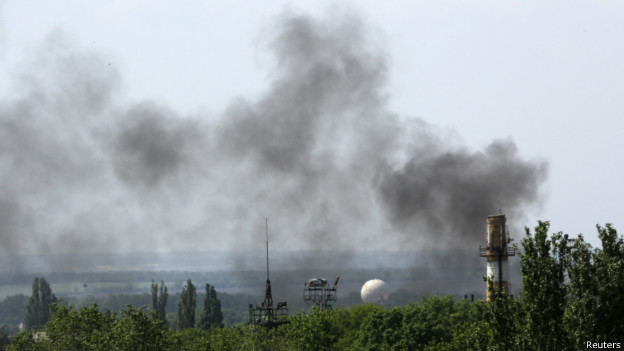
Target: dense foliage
(186, 307)
(571, 294)
(38, 308)
(211, 316)
(159, 303)
(12, 311)
(91, 329)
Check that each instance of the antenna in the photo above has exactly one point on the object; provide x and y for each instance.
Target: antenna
(267, 245)
(265, 314)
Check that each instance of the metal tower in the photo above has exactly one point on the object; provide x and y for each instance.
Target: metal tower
(318, 293)
(265, 314)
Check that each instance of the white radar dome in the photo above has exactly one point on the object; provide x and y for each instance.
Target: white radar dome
(374, 291)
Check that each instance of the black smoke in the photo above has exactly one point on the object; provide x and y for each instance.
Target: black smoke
(153, 146)
(449, 193)
(319, 153)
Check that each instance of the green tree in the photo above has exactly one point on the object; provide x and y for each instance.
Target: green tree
(382, 330)
(437, 323)
(543, 264)
(469, 328)
(84, 329)
(159, 305)
(581, 319)
(12, 309)
(136, 330)
(431, 323)
(192, 339)
(21, 342)
(211, 316)
(4, 337)
(231, 338)
(503, 318)
(609, 268)
(263, 339)
(186, 307)
(90, 329)
(348, 321)
(38, 308)
(470, 336)
(32, 319)
(314, 331)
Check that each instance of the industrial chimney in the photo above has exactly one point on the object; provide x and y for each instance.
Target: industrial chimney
(496, 252)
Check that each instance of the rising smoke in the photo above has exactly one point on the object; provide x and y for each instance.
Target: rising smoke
(83, 170)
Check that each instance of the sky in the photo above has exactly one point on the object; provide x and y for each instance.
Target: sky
(173, 126)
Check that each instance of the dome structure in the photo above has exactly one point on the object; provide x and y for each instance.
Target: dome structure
(374, 291)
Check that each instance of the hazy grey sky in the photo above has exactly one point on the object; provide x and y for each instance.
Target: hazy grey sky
(546, 76)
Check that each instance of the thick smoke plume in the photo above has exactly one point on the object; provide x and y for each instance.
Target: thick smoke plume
(448, 192)
(319, 153)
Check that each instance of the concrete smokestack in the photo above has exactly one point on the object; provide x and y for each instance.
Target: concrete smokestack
(497, 252)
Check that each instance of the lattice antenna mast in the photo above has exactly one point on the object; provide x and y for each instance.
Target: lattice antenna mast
(264, 314)
(267, 245)
(268, 295)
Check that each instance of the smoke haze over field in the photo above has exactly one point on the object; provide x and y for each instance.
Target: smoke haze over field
(319, 153)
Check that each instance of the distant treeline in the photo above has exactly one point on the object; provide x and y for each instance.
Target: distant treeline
(13, 308)
(228, 278)
(234, 306)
